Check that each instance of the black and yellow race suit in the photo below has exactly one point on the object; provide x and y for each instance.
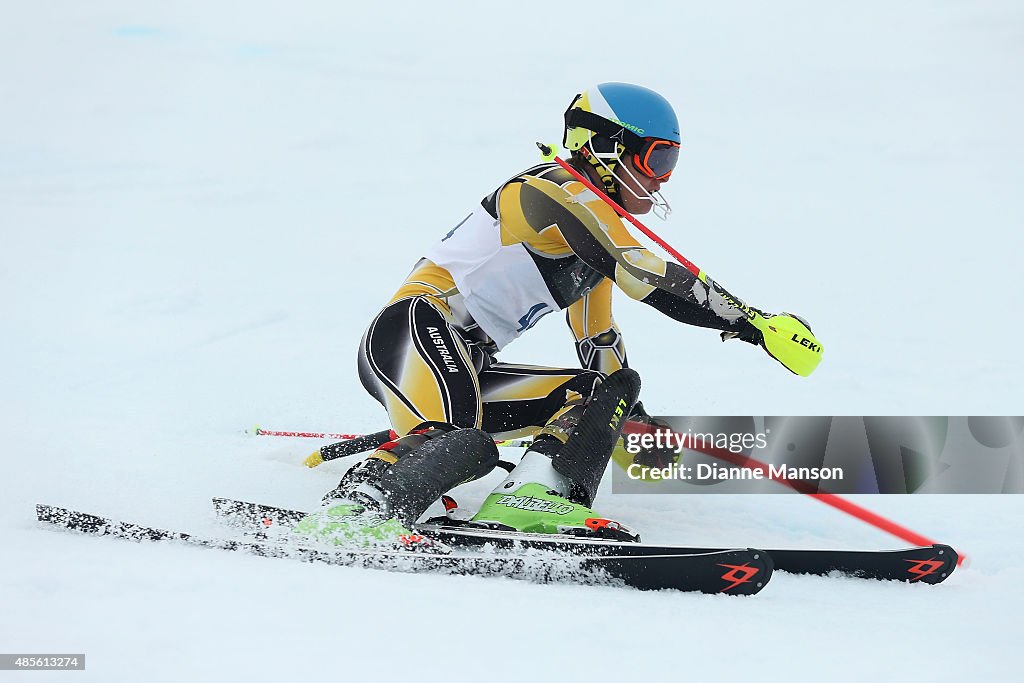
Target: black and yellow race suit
(541, 242)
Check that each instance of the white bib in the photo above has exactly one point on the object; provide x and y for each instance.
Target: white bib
(501, 286)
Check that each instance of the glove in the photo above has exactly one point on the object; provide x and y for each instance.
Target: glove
(796, 349)
(745, 332)
(638, 414)
(751, 334)
(642, 422)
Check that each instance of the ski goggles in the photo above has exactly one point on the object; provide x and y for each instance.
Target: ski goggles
(657, 158)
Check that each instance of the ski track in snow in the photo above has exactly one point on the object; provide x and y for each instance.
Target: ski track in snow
(202, 207)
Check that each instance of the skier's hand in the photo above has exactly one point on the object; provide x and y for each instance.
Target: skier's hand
(640, 421)
(639, 414)
(746, 332)
(791, 341)
(750, 334)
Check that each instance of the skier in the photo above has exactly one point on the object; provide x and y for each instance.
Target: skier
(540, 242)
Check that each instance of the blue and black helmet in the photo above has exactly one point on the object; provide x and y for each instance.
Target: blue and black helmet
(612, 118)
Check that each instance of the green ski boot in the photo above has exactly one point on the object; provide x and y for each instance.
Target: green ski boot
(355, 526)
(536, 509)
(353, 517)
(377, 502)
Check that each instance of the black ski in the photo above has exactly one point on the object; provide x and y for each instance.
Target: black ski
(926, 564)
(731, 572)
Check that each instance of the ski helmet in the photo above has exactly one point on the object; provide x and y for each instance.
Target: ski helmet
(609, 120)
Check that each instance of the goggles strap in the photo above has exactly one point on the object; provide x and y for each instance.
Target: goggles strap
(579, 118)
(604, 171)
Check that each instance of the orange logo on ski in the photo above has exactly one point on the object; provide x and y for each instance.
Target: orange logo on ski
(923, 568)
(738, 574)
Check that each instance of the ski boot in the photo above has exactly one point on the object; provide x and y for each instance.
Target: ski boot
(377, 502)
(353, 514)
(551, 489)
(537, 509)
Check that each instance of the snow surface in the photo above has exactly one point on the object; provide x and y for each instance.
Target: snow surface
(203, 204)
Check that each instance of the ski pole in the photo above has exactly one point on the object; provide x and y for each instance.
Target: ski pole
(364, 443)
(351, 444)
(260, 431)
(831, 499)
(786, 338)
(357, 444)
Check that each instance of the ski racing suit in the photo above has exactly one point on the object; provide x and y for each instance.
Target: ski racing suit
(541, 242)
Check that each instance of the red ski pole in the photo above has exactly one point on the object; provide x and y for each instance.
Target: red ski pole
(786, 338)
(683, 261)
(260, 431)
(807, 363)
(831, 499)
(351, 444)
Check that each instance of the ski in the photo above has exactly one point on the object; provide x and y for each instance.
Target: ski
(925, 564)
(729, 572)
